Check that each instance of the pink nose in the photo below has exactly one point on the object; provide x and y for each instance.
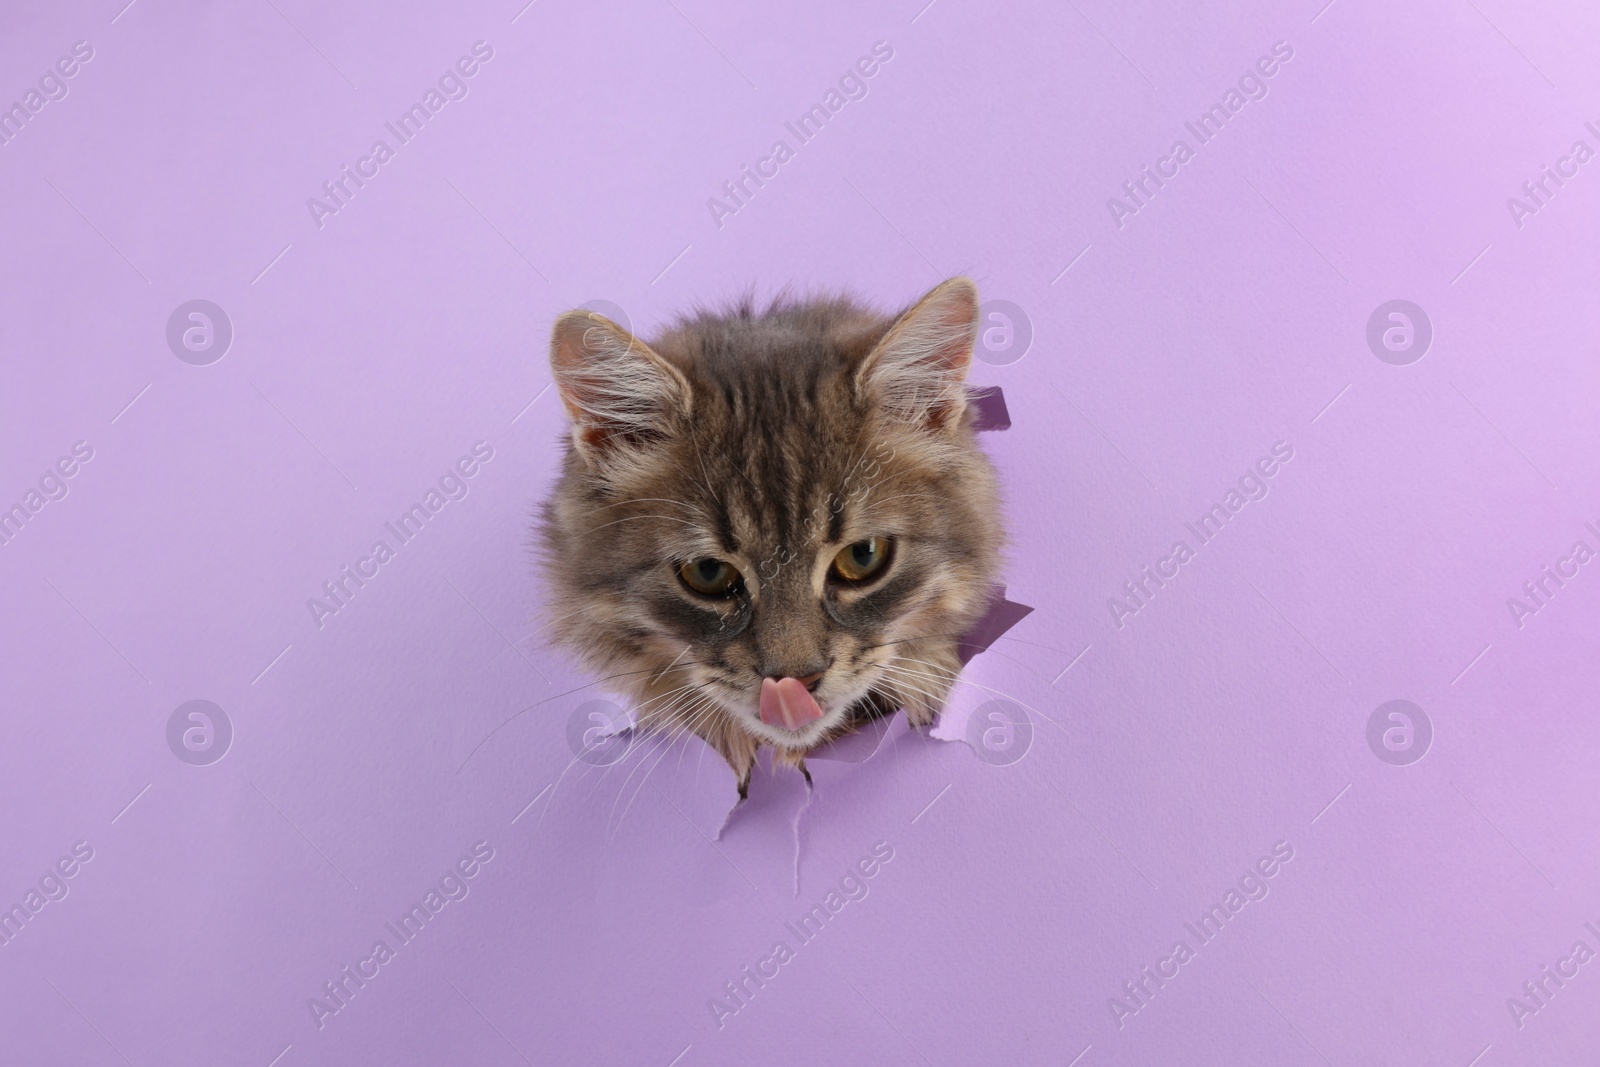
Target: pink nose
(787, 702)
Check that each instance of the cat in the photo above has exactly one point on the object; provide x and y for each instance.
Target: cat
(772, 524)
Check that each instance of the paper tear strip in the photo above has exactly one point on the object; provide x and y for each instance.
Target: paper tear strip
(728, 818)
(811, 792)
(990, 406)
(1002, 615)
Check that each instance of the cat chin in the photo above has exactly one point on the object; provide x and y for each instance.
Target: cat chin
(809, 737)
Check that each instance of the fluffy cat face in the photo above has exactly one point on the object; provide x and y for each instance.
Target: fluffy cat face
(770, 524)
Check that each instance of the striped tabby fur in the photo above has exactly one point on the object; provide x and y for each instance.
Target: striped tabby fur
(771, 439)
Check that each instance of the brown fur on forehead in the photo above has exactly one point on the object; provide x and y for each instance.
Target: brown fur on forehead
(775, 428)
(786, 332)
(776, 450)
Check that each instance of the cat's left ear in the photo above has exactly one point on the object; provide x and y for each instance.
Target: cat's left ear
(617, 390)
(918, 371)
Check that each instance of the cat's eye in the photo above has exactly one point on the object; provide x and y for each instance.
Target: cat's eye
(862, 560)
(710, 577)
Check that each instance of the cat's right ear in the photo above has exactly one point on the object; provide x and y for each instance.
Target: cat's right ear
(617, 391)
(917, 371)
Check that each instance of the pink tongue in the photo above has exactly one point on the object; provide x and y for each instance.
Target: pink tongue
(787, 703)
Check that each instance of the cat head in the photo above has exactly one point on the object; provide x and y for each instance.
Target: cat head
(793, 494)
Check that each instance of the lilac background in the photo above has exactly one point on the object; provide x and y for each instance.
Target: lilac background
(1229, 714)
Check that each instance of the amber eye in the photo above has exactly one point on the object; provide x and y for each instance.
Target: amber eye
(862, 560)
(710, 577)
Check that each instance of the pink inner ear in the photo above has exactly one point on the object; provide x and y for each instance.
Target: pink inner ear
(613, 386)
(961, 322)
(918, 369)
(951, 360)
